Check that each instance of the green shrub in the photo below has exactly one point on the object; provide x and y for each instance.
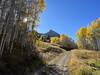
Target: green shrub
(94, 63)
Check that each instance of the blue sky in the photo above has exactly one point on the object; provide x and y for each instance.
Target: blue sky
(67, 16)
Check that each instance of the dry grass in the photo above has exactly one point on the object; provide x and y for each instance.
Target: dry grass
(84, 62)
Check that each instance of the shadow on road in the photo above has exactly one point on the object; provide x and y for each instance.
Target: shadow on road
(51, 70)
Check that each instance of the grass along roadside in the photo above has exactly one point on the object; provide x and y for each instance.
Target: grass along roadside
(84, 62)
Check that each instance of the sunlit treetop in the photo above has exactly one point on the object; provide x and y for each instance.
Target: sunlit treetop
(95, 24)
(89, 31)
(81, 33)
(41, 4)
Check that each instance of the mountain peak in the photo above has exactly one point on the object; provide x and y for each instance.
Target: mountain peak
(51, 30)
(52, 33)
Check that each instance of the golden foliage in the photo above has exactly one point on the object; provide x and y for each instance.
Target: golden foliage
(54, 39)
(86, 35)
(63, 38)
(81, 33)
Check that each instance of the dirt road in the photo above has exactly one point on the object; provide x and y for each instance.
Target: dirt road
(58, 66)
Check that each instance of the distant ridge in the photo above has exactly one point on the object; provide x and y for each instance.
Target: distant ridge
(51, 33)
